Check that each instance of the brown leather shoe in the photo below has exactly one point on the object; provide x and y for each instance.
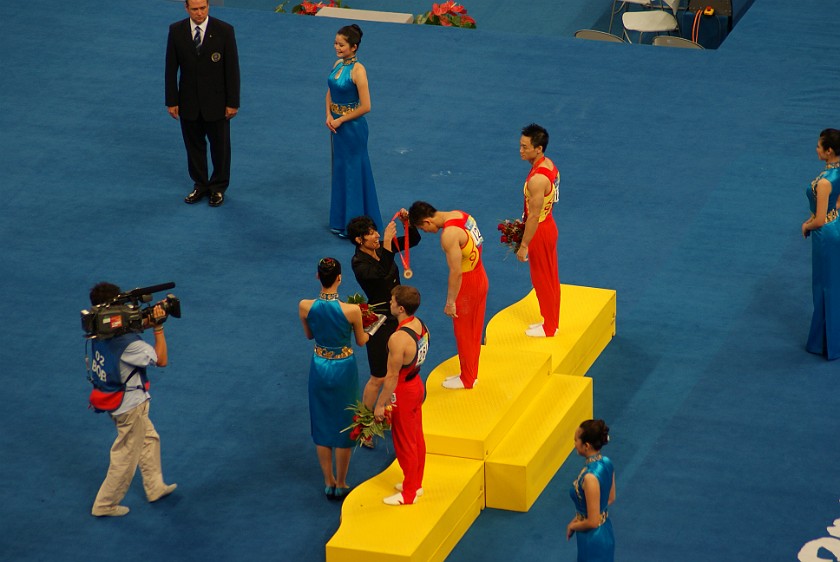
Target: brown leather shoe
(217, 198)
(195, 196)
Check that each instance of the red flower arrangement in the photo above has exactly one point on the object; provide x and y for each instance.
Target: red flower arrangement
(369, 317)
(365, 425)
(512, 231)
(307, 8)
(448, 14)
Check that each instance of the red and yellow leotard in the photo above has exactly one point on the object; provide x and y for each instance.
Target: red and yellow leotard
(542, 251)
(471, 302)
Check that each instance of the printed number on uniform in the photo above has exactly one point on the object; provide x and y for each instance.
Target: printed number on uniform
(472, 228)
(422, 349)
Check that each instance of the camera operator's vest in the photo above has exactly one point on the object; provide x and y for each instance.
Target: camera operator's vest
(108, 389)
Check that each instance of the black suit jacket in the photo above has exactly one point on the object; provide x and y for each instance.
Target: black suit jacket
(209, 81)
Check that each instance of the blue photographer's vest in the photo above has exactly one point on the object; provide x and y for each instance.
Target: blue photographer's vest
(108, 388)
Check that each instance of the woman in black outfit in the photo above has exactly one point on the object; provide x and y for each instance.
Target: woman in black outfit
(377, 273)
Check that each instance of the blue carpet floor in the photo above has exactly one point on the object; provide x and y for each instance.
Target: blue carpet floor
(683, 189)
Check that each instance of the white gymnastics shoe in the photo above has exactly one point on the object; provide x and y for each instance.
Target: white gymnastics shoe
(396, 499)
(538, 332)
(398, 487)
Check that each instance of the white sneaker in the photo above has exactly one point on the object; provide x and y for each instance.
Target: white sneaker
(452, 378)
(538, 332)
(453, 383)
(398, 487)
(396, 499)
(456, 384)
(537, 325)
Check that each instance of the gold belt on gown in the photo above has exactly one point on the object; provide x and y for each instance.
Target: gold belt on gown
(327, 353)
(581, 517)
(830, 217)
(343, 109)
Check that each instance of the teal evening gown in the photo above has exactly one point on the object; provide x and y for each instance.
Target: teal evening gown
(824, 336)
(353, 189)
(595, 545)
(333, 377)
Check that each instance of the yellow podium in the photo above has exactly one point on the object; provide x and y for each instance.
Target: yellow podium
(587, 324)
(427, 530)
(496, 445)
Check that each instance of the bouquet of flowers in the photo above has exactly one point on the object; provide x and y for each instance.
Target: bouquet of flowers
(370, 320)
(512, 231)
(365, 425)
(449, 14)
(310, 8)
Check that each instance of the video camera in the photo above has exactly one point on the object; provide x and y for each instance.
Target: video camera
(124, 314)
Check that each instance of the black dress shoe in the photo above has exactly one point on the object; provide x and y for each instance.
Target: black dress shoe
(194, 196)
(217, 198)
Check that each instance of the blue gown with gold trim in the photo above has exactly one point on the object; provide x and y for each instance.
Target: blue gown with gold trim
(353, 188)
(333, 376)
(595, 545)
(824, 335)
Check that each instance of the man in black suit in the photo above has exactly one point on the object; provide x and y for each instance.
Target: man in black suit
(205, 97)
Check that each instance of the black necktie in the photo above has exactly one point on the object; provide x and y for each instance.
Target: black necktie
(197, 39)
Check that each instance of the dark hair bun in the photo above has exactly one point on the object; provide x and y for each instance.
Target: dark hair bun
(328, 266)
(595, 432)
(353, 34)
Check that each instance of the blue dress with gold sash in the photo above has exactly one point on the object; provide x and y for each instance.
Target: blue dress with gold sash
(353, 188)
(333, 377)
(824, 336)
(595, 545)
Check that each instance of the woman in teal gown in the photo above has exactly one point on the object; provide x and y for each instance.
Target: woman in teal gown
(348, 100)
(824, 230)
(592, 492)
(333, 376)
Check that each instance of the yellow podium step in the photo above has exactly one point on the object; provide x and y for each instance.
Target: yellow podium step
(587, 324)
(470, 423)
(428, 530)
(520, 467)
(509, 434)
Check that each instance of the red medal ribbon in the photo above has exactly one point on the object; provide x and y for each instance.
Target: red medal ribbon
(404, 322)
(405, 259)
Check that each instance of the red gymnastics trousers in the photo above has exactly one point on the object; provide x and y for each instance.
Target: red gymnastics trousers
(469, 325)
(407, 432)
(542, 260)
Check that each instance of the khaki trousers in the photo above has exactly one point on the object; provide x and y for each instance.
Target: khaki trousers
(137, 443)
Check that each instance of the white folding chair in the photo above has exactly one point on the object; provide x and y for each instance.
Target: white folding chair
(595, 35)
(619, 6)
(652, 21)
(671, 41)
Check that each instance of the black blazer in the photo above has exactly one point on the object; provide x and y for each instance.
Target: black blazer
(209, 81)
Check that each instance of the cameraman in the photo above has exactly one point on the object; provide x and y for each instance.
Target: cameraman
(137, 441)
